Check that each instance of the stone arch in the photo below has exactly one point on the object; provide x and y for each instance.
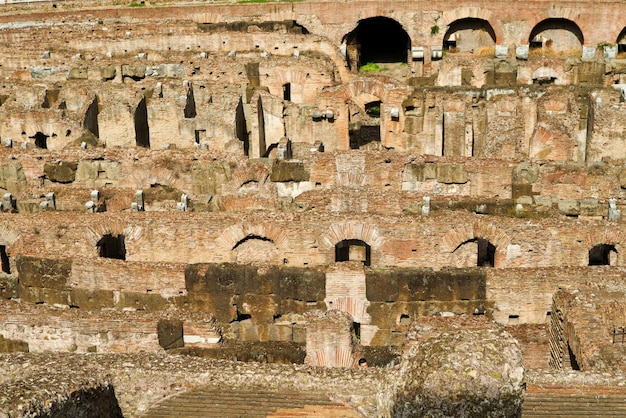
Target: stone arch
(365, 44)
(296, 80)
(620, 41)
(556, 35)
(470, 35)
(96, 233)
(607, 243)
(479, 230)
(474, 13)
(234, 235)
(340, 231)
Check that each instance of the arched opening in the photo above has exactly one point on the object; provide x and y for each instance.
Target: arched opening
(190, 105)
(621, 44)
(241, 128)
(142, 131)
(377, 40)
(603, 255)
(470, 35)
(41, 140)
(478, 252)
(91, 118)
(4, 257)
(364, 127)
(556, 36)
(255, 249)
(353, 250)
(112, 246)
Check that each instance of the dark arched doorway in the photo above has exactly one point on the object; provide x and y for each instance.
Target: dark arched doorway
(478, 252)
(377, 40)
(353, 250)
(603, 255)
(112, 246)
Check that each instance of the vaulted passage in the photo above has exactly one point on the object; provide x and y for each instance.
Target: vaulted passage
(377, 40)
(91, 118)
(364, 128)
(4, 258)
(142, 131)
(353, 250)
(255, 249)
(241, 128)
(470, 36)
(603, 255)
(41, 140)
(112, 246)
(556, 36)
(621, 43)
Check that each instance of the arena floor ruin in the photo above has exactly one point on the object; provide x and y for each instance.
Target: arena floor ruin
(226, 204)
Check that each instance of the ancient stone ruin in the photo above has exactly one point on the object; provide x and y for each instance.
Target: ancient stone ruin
(236, 201)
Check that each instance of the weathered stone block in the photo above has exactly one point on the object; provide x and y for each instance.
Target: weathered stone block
(91, 299)
(569, 206)
(108, 73)
(451, 174)
(12, 346)
(136, 72)
(284, 171)
(62, 172)
(142, 301)
(86, 171)
(43, 272)
(12, 176)
(78, 74)
(207, 179)
(170, 333)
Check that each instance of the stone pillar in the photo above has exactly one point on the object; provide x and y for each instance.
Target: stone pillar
(329, 339)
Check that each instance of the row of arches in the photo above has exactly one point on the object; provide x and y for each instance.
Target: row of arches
(366, 43)
(481, 250)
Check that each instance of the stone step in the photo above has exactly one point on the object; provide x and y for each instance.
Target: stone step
(562, 401)
(231, 403)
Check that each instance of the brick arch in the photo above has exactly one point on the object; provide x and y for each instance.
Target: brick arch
(235, 233)
(369, 14)
(96, 232)
(604, 236)
(496, 236)
(369, 86)
(570, 15)
(467, 12)
(340, 231)
(8, 235)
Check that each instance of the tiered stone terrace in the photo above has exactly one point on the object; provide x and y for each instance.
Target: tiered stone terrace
(210, 178)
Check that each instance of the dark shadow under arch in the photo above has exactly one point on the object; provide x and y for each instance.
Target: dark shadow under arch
(600, 255)
(353, 250)
(377, 39)
(486, 254)
(251, 237)
(554, 25)
(469, 35)
(112, 246)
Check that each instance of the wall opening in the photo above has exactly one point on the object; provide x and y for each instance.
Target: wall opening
(364, 127)
(112, 246)
(603, 255)
(353, 250)
(41, 140)
(4, 258)
(51, 97)
(142, 130)
(572, 359)
(287, 91)
(91, 118)
(377, 40)
(556, 36)
(478, 249)
(251, 237)
(262, 146)
(470, 35)
(190, 105)
(241, 128)
(621, 43)
(200, 136)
